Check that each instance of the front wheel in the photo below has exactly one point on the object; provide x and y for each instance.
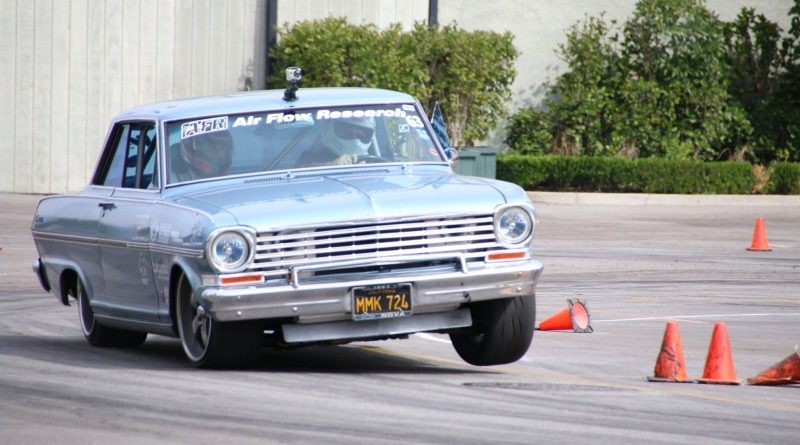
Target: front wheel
(99, 335)
(209, 343)
(501, 331)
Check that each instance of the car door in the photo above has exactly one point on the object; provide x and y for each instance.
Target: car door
(124, 225)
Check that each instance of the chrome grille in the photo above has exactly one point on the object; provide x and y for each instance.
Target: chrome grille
(470, 236)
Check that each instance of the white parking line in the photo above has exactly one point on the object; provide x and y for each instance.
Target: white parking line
(441, 340)
(675, 317)
(433, 338)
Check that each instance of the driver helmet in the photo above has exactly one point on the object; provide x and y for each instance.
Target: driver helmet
(350, 136)
(208, 154)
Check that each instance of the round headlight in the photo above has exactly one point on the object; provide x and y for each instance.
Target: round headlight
(513, 225)
(229, 251)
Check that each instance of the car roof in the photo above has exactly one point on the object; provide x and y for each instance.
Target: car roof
(254, 101)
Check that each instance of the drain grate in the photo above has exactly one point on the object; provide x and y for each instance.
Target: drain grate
(545, 387)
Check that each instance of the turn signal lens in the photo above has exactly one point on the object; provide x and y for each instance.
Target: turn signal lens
(505, 256)
(241, 279)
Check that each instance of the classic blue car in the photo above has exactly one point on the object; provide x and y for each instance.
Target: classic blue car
(273, 219)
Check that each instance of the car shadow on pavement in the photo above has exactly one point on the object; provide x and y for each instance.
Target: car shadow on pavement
(357, 359)
(162, 353)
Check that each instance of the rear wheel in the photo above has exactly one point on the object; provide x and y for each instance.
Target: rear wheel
(209, 343)
(99, 335)
(501, 333)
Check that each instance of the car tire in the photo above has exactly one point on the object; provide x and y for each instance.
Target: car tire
(103, 336)
(209, 343)
(501, 333)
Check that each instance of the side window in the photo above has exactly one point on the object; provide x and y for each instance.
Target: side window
(149, 164)
(112, 167)
(132, 156)
(132, 160)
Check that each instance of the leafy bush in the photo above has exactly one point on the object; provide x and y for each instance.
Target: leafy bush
(678, 45)
(765, 79)
(586, 107)
(468, 73)
(673, 81)
(529, 132)
(335, 53)
(614, 174)
(784, 178)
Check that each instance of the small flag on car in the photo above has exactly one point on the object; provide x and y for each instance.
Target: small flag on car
(437, 122)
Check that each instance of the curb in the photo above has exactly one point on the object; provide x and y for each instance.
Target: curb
(645, 199)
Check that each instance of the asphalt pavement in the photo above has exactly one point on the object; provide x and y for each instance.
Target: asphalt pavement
(637, 260)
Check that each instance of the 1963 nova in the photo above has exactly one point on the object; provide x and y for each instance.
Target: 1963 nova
(269, 219)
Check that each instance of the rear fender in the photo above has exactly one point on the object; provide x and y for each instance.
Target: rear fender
(67, 272)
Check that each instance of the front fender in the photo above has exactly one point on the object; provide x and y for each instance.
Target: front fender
(188, 269)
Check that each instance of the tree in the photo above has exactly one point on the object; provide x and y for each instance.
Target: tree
(468, 73)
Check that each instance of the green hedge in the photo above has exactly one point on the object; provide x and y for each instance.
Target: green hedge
(784, 178)
(644, 175)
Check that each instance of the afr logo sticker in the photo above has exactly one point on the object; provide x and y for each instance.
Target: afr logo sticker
(203, 126)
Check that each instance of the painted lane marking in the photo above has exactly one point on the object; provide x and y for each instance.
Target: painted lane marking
(436, 339)
(433, 338)
(676, 317)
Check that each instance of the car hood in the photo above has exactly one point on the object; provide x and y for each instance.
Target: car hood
(328, 199)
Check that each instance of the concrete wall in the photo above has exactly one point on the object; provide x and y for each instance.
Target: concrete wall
(67, 67)
(378, 12)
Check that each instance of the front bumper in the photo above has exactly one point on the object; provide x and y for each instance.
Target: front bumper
(332, 301)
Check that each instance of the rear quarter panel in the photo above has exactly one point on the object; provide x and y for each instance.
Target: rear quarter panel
(65, 233)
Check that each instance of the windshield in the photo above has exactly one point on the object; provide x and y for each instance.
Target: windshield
(290, 139)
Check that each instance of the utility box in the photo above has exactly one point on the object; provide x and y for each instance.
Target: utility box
(477, 161)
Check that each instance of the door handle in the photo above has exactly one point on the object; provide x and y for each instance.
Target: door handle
(106, 205)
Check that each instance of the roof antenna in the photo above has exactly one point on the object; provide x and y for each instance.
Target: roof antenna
(294, 75)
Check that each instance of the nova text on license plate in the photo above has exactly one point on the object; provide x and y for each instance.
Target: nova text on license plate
(381, 301)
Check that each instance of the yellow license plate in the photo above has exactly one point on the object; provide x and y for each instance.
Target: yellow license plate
(381, 301)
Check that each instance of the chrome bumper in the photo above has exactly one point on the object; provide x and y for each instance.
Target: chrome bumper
(332, 301)
(340, 330)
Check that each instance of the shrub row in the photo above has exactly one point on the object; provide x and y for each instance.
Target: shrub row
(643, 175)
(784, 178)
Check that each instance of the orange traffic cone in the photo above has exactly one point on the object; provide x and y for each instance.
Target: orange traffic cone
(786, 372)
(759, 243)
(575, 316)
(670, 365)
(719, 361)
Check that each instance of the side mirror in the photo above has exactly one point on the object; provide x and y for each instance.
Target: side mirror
(452, 155)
